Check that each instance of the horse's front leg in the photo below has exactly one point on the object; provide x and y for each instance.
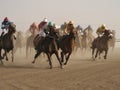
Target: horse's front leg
(36, 55)
(96, 54)
(12, 55)
(5, 54)
(49, 58)
(93, 49)
(1, 57)
(58, 59)
(106, 51)
(62, 57)
(67, 58)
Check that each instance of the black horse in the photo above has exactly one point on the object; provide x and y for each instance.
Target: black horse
(6, 42)
(48, 45)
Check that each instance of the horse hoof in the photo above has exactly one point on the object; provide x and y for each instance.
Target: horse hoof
(50, 67)
(33, 62)
(65, 63)
(105, 57)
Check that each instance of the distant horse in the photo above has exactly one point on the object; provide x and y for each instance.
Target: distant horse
(87, 39)
(67, 44)
(48, 45)
(112, 41)
(101, 44)
(29, 44)
(84, 39)
(20, 41)
(6, 42)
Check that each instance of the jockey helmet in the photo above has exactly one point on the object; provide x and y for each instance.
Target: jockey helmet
(45, 20)
(6, 19)
(50, 24)
(71, 22)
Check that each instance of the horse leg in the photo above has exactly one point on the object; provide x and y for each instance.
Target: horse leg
(26, 52)
(58, 59)
(5, 54)
(36, 55)
(12, 55)
(99, 55)
(106, 51)
(6, 57)
(93, 50)
(1, 57)
(67, 58)
(62, 57)
(49, 58)
(96, 53)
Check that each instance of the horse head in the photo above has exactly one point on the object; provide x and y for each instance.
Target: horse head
(73, 33)
(12, 28)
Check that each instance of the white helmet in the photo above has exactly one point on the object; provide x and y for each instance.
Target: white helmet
(45, 20)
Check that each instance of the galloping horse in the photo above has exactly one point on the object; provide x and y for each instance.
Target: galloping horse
(29, 44)
(48, 45)
(112, 41)
(20, 41)
(6, 42)
(67, 44)
(101, 44)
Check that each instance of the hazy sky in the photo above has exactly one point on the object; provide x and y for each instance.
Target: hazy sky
(83, 12)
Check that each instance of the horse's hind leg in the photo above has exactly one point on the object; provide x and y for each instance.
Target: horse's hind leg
(58, 59)
(49, 58)
(67, 58)
(105, 57)
(36, 55)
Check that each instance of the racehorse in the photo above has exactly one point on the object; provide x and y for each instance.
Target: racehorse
(6, 42)
(20, 41)
(101, 44)
(112, 41)
(29, 43)
(67, 44)
(47, 45)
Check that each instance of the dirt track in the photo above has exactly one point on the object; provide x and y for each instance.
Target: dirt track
(81, 73)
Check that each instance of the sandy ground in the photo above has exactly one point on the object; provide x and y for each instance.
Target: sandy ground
(81, 73)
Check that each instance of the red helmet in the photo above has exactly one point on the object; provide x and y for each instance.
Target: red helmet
(5, 19)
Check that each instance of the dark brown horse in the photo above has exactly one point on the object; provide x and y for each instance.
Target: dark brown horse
(67, 44)
(101, 44)
(6, 42)
(47, 45)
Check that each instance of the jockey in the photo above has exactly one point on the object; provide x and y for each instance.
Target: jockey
(80, 29)
(101, 30)
(41, 32)
(5, 25)
(51, 27)
(42, 27)
(69, 26)
(33, 28)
